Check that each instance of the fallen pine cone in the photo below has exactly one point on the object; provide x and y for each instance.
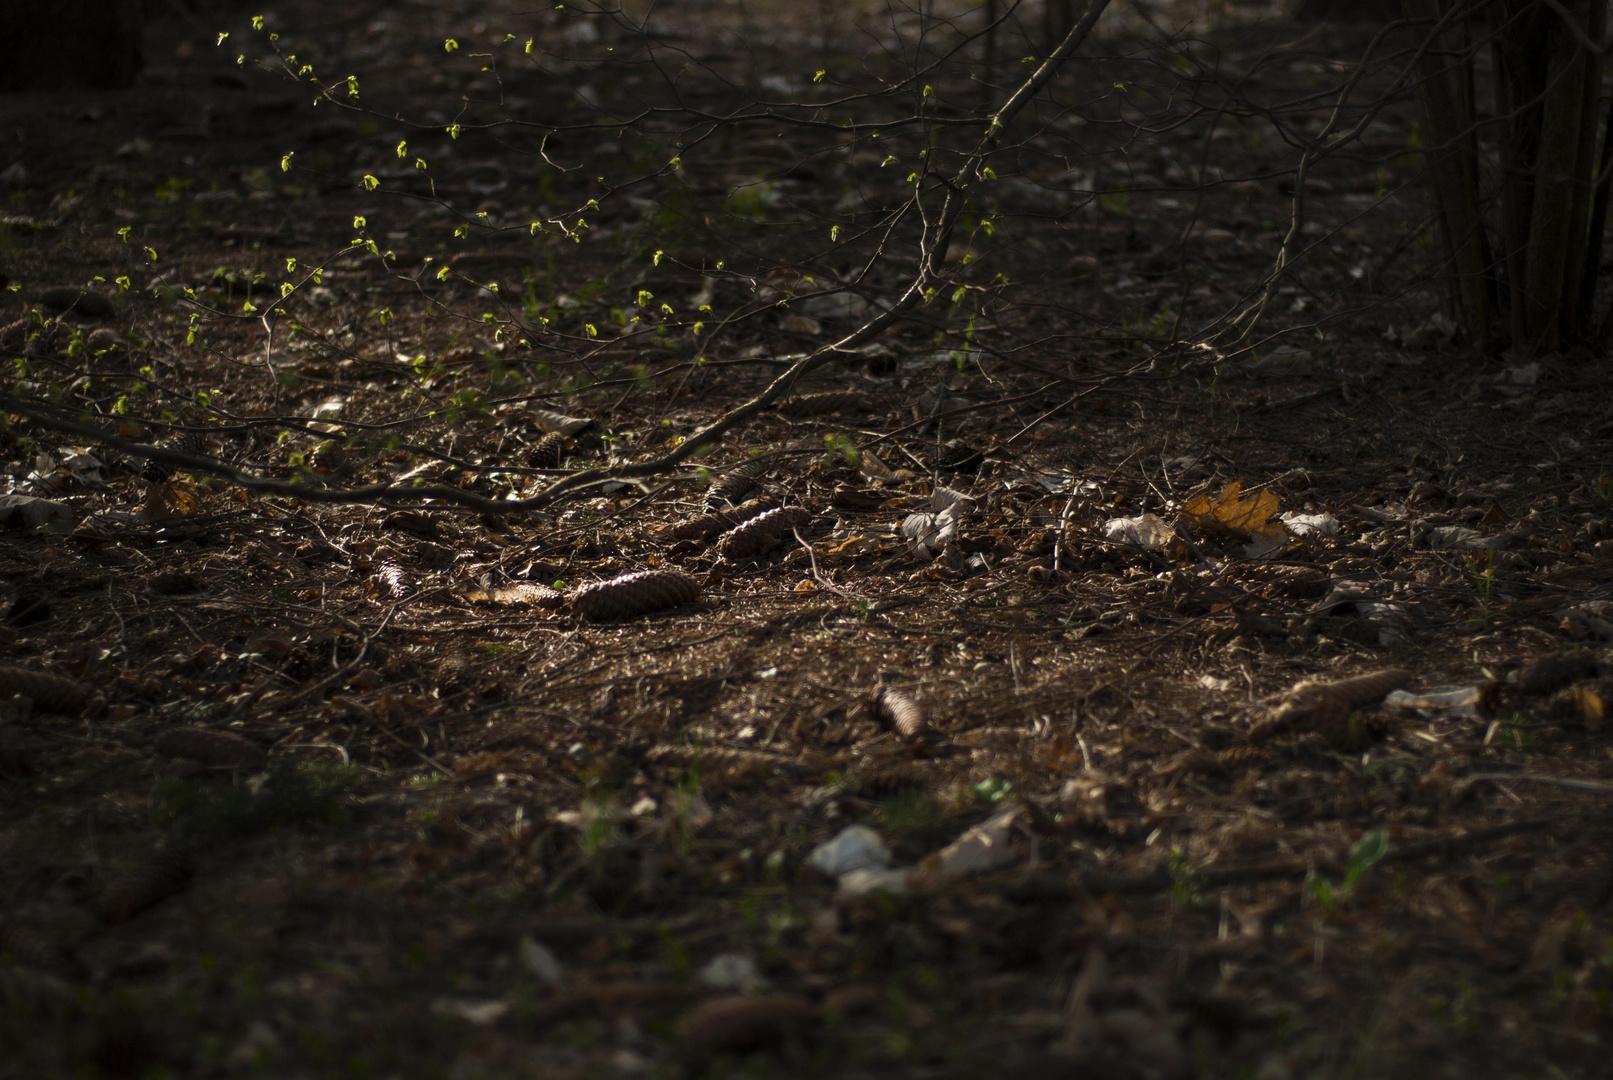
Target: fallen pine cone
(820, 404)
(548, 451)
(52, 693)
(35, 947)
(36, 992)
(185, 442)
(901, 712)
(146, 885)
(759, 532)
(881, 781)
(221, 748)
(738, 1023)
(528, 592)
(393, 580)
(738, 480)
(1584, 703)
(1549, 673)
(1325, 705)
(452, 670)
(637, 593)
(698, 528)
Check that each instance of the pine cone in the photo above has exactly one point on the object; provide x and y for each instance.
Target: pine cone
(528, 592)
(221, 748)
(739, 480)
(901, 712)
(52, 693)
(185, 442)
(146, 885)
(548, 451)
(453, 670)
(638, 593)
(882, 781)
(754, 535)
(1325, 706)
(821, 404)
(1552, 672)
(35, 947)
(393, 580)
(717, 521)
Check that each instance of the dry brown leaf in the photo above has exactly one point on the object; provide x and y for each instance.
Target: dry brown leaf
(1233, 515)
(558, 423)
(1583, 703)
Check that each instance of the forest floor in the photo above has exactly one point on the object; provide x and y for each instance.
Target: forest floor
(297, 785)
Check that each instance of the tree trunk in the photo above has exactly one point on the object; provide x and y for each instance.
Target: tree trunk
(1547, 94)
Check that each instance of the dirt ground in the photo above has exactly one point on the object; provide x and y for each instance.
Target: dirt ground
(956, 762)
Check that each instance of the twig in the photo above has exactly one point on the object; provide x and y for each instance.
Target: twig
(1537, 778)
(823, 581)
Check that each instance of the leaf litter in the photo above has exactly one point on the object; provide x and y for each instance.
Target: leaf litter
(1260, 747)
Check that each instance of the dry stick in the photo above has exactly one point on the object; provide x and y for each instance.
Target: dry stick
(820, 579)
(1536, 778)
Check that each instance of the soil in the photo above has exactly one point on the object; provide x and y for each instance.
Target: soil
(338, 742)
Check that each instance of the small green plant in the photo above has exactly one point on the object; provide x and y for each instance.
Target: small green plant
(1139, 336)
(1116, 203)
(840, 446)
(1603, 486)
(169, 189)
(1365, 853)
(1483, 574)
(908, 812)
(751, 201)
(993, 789)
(673, 951)
(1321, 891)
(1183, 889)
